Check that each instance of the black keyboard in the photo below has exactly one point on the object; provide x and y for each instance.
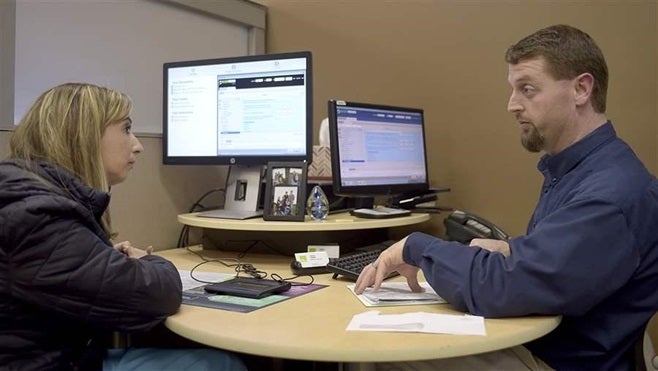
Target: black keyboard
(351, 265)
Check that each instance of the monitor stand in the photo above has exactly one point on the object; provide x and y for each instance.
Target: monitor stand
(242, 194)
(361, 202)
(365, 208)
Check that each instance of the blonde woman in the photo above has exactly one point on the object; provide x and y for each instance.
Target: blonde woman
(64, 285)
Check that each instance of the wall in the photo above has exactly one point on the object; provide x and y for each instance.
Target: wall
(144, 208)
(79, 50)
(653, 324)
(444, 56)
(7, 45)
(447, 57)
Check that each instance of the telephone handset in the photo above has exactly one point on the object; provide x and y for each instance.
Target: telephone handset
(463, 227)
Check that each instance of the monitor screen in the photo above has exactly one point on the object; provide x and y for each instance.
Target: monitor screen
(377, 150)
(238, 111)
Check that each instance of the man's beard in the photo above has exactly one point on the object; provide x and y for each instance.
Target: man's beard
(532, 140)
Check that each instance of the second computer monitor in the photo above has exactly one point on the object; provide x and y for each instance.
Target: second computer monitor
(377, 150)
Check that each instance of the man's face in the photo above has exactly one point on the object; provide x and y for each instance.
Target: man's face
(543, 106)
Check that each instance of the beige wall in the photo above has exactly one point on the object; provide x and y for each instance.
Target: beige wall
(447, 57)
(444, 56)
(653, 325)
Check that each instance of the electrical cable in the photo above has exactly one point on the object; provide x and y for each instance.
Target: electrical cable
(184, 233)
(241, 267)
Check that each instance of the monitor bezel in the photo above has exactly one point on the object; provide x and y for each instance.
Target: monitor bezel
(250, 160)
(389, 190)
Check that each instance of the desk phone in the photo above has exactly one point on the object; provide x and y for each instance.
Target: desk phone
(463, 227)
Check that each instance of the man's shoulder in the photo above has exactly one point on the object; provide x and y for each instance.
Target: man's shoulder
(611, 170)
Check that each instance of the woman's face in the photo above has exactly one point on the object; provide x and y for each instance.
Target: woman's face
(119, 149)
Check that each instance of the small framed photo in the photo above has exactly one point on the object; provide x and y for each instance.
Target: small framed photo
(285, 192)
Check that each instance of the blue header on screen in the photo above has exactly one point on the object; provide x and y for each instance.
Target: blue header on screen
(379, 115)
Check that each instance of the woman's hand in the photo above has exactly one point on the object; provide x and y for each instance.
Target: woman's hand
(132, 252)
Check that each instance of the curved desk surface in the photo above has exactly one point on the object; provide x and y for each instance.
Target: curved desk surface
(334, 222)
(312, 326)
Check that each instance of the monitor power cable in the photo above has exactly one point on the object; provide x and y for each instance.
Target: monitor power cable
(184, 233)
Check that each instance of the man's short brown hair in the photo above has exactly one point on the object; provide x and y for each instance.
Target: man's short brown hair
(568, 52)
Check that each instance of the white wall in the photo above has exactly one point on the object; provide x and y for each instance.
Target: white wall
(119, 44)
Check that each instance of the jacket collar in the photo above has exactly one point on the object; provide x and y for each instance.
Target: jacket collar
(561, 163)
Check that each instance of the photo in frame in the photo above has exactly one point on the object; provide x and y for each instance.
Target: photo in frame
(285, 191)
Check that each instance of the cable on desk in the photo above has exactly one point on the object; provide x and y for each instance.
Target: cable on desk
(205, 260)
(214, 260)
(243, 267)
(289, 279)
(184, 233)
(250, 269)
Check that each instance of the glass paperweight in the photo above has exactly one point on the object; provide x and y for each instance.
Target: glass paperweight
(317, 204)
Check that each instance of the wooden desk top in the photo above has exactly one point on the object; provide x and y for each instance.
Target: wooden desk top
(334, 222)
(312, 326)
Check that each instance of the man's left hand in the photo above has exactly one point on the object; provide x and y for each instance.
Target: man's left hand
(492, 245)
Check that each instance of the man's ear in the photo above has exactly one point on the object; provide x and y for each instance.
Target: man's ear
(583, 86)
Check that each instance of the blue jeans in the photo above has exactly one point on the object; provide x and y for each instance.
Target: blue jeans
(174, 359)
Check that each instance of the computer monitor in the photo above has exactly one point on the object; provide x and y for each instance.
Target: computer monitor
(377, 150)
(240, 111)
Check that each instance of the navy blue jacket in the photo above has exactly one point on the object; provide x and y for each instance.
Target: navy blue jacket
(590, 254)
(62, 284)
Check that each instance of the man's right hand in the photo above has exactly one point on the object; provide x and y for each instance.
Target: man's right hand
(388, 261)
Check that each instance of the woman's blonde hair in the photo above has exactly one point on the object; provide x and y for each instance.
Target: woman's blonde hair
(65, 125)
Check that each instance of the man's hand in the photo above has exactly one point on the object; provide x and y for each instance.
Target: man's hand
(132, 252)
(492, 245)
(388, 261)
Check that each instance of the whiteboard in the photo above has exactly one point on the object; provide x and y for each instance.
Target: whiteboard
(115, 43)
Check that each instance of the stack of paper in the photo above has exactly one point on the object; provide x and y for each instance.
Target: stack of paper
(397, 293)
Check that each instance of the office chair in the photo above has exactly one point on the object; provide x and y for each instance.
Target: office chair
(644, 351)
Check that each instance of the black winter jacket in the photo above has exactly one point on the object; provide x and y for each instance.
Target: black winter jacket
(62, 284)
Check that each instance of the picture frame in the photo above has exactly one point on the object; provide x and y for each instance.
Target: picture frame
(285, 191)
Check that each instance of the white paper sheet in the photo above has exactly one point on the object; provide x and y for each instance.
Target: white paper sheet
(418, 322)
(190, 283)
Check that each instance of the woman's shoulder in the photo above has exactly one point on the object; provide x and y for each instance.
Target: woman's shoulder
(27, 179)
